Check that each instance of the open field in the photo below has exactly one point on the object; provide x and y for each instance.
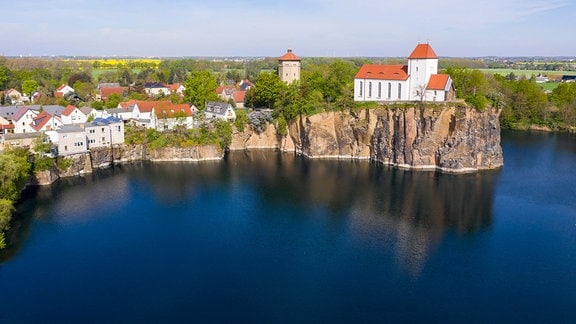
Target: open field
(527, 73)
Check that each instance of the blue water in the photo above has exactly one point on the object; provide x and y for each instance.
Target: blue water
(268, 238)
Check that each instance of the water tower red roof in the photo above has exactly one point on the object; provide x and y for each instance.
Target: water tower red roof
(289, 56)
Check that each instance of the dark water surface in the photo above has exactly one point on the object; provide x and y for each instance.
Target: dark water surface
(264, 237)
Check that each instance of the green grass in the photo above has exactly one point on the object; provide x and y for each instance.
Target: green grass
(527, 73)
(96, 73)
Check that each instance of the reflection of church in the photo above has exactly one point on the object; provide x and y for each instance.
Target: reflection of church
(417, 81)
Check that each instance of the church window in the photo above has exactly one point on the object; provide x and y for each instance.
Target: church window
(369, 89)
(361, 86)
(379, 89)
(399, 90)
(389, 90)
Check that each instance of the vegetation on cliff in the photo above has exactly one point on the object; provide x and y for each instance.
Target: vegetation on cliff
(217, 132)
(14, 173)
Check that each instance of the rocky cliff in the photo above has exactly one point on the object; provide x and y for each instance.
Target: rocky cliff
(451, 138)
(104, 157)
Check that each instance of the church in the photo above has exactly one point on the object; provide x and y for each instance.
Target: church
(417, 81)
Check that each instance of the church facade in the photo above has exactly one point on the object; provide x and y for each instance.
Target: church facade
(417, 81)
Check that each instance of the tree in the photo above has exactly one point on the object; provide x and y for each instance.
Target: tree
(29, 87)
(113, 100)
(4, 77)
(266, 90)
(200, 88)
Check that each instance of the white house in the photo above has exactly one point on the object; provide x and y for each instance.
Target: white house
(171, 115)
(22, 120)
(156, 88)
(73, 115)
(63, 90)
(219, 110)
(104, 132)
(418, 80)
(71, 140)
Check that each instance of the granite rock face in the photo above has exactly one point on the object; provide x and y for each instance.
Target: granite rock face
(449, 138)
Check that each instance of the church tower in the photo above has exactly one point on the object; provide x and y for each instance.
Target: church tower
(289, 67)
(422, 63)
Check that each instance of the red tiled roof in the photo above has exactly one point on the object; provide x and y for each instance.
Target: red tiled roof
(6, 126)
(105, 92)
(438, 82)
(239, 96)
(221, 89)
(144, 106)
(383, 72)
(289, 56)
(39, 121)
(168, 109)
(174, 86)
(423, 51)
(61, 87)
(68, 110)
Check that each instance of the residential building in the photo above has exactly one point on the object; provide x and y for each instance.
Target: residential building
(418, 80)
(23, 119)
(154, 89)
(63, 90)
(219, 110)
(44, 121)
(104, 132)
(105, 92)
(6, 126)
(171, 115)
(289, 67)
(71, 140)
(73, 115)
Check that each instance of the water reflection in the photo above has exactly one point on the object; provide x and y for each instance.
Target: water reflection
(407, 211)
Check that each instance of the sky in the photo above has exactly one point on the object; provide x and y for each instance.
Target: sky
(266, 28)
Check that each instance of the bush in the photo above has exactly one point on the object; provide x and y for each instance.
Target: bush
(42, 163)
(281, 126)
(2, 241)
(241, 120)
(63, 163)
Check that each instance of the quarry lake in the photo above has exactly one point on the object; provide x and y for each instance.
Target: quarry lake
(271, 238)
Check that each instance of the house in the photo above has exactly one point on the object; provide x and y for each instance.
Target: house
(568, 78)
(104, 132)
(171, 115)
(71, 140)
(72, 115)
(22, 120)
(176, 88)
(542, 79)
(225, 92)
(44, 121)
(219, 110)
(238, 97)
(63, 90)
(417, 80)
(289, 67)
(154, 89)
(245, 85)
(24, 140)
(15, 97)
(142, 112)
(6, 126)
(105, 92)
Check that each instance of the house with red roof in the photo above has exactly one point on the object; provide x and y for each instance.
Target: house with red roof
(44, 121)
(72, 115)
(157, 114)
(22, 120)
(416, 81)
(105, 92)
(6, 126)
(289, 67)
(63, 90)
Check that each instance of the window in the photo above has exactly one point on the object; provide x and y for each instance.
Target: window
(102, 129)
(369, 89)
(361, 86)
(399, 90)
(389, 90)
(379, 89)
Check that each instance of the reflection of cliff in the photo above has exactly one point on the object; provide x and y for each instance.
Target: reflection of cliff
(382, 205)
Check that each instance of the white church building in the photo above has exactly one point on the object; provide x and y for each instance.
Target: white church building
(417, 81)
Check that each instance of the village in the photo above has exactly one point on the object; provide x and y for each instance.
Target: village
(72, 130)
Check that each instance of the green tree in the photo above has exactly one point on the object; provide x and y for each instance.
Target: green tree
(4, 77)
(29, 87)
(266, 91)
(200, 88)
(113, 100)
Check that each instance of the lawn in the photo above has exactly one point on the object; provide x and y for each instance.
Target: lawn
(527, 73)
